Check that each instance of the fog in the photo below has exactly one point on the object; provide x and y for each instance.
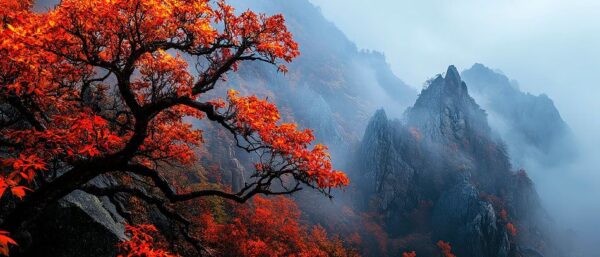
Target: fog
(549, 46)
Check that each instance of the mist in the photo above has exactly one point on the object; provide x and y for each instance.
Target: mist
(550, 47)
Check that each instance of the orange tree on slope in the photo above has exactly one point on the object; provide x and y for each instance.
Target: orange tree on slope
(266, 227)
(103, 87)
(269, 227)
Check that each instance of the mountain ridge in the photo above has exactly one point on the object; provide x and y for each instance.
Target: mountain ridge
(533, 127)
(445, 154)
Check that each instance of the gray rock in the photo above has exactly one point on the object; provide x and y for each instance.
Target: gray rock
(469, 224)
(384, 172)
(531, 253)
(446, 113)
(79, 225)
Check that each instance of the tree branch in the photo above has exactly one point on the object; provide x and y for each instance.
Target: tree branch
(240, 197)
(16, 102)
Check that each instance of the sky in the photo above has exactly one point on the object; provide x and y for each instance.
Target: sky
(548, 46)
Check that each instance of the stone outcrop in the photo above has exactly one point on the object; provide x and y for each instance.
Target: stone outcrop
(80, 224)
(469, 223)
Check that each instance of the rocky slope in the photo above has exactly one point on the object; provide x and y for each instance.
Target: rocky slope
(443, 164)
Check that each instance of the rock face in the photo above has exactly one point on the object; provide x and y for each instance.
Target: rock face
(531, 125)
(470, 223)
(444, 153)
(385, 173)
(446, 112)
(79, 225)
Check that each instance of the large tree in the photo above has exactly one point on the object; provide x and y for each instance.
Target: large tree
(96, 87)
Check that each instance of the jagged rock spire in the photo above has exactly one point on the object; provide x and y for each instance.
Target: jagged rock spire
(452, 76)
(445, 112)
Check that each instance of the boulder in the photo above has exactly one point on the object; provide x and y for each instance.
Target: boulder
(79, 225)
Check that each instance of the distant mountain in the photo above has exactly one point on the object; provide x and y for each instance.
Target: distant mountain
(331, 88)
(332, 80)
(440, 174)
(531, 125)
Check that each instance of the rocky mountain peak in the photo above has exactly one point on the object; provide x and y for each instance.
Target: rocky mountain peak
(379, 119)
(445, 112)
(378, 133)
(445, 91)
(452, 76)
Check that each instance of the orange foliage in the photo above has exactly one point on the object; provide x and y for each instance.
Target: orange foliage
(416, 133)
(512, 229)
(260, 116)
(141, 243)
(50, 59)
(504, 215)
(5, 243)
(270, 227)
(97, 85)
(445, 248)
(409, 254)
(372, 225)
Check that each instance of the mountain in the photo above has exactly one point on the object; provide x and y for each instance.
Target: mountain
(531, 125)
(441, 174)
(446, 112)
(332, 87)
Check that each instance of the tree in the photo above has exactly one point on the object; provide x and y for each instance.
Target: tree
(98, 87)
(269, 227)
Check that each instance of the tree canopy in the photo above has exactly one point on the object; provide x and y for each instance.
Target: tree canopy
(95, 87)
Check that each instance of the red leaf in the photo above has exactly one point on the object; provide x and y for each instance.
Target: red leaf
(5, 242)
(19, 191)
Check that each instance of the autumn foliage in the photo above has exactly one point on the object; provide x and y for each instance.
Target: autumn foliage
(269, 227)
(445, 248)
(409, 254)
(141, 243)
(512, 229)
(289, 143)
(96, 87)
(5, 242)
